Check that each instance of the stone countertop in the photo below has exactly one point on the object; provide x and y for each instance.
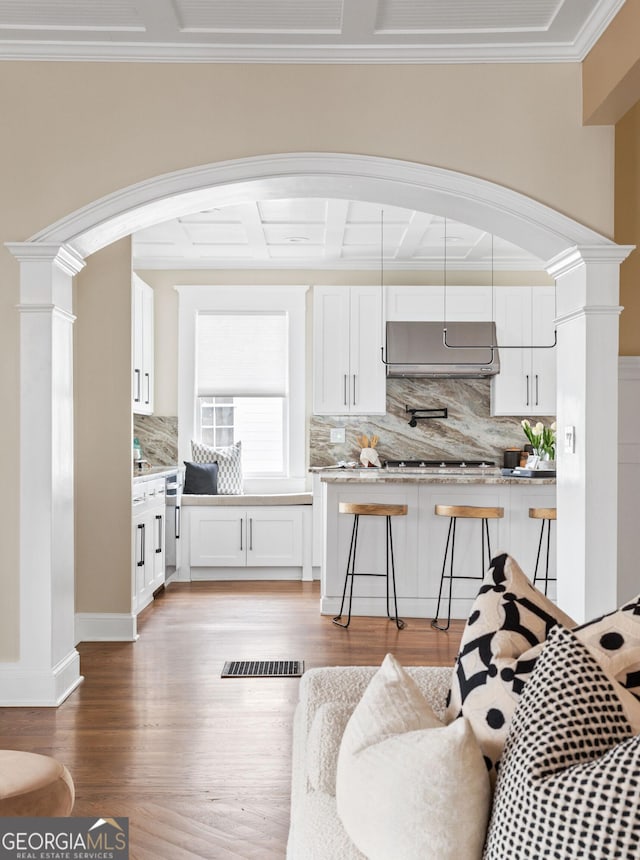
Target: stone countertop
(415, 476)
(155, 472)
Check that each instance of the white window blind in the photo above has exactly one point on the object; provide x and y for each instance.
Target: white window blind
(242, 355)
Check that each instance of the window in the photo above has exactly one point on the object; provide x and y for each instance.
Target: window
(242, 376)
(242, 386)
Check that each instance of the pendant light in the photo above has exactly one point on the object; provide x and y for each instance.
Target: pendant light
(492, 346)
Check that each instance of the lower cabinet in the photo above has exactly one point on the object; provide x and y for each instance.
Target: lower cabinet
(232, 537)
(148, 541)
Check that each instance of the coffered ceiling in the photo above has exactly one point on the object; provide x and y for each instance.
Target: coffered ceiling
(321, 233)
(393, 31)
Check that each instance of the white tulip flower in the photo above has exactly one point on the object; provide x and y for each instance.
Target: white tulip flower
(539, 428)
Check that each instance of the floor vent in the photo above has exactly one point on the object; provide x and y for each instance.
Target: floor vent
(263, 669)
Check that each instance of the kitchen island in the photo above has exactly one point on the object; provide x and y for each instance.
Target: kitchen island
(419, 538)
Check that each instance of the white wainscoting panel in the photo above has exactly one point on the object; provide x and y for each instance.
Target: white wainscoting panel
(629, 478)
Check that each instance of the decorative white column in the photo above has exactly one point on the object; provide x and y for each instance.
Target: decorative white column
(48, 668)
(587, 284)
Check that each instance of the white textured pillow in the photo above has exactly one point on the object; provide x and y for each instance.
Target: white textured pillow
(229, 460)
(407, 786)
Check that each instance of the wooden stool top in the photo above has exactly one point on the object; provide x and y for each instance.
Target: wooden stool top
(469, 512)
(373, 509)
(542, 513)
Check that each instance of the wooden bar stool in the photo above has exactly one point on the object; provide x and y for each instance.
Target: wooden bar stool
(546, 515)
(456, 512)
(370, 510)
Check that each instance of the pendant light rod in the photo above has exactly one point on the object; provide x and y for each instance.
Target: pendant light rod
(491, 346)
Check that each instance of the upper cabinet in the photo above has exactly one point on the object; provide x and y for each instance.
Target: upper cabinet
(348, 373)
(526, 384)
(142, 324)
(437, 304)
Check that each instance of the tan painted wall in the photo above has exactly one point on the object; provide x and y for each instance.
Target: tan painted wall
(611, 70)
(103, 422)
(74, 132)
(627, 226)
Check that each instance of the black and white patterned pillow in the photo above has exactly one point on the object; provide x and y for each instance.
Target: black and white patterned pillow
(569, 783)
(614, 640)
(229, 460)
(508, 625)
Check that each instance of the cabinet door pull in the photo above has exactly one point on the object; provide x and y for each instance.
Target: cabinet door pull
(240, 535)
(141, 530)
(177, 522)
(251, 533)
(159, 524)
(527, 389)
(354, 389)
(537, 398)
(136, 398)
(148, 379)
(345, 389)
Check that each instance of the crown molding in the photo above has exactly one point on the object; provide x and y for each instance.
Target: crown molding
(602, 16)
(164, 263)
(127, 52)
(65, 257)
(571, 259)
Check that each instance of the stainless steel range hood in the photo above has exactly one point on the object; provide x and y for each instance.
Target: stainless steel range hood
(416, 349)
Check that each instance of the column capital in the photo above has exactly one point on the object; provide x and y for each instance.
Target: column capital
(62, 256)
(581, 255)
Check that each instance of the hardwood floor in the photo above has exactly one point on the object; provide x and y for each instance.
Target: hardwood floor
(201, 765)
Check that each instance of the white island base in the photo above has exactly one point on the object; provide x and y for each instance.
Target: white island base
(419, 539)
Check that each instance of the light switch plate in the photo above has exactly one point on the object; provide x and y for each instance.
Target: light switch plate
(338, 434)
(569, 439)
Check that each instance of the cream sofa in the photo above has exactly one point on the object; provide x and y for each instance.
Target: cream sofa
(327, 698)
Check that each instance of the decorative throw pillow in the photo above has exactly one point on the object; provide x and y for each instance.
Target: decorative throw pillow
(407, 786)
(229, 460)
(614, 640)
(569, 783)
(200, 479)
(508, 625)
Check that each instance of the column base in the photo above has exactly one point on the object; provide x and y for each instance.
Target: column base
(27, 687)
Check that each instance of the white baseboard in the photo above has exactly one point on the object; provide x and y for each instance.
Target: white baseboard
(22, 687)
(225, 574)
(105, 627)
(409, 607)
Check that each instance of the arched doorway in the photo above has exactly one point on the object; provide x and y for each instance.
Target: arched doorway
(584, 263)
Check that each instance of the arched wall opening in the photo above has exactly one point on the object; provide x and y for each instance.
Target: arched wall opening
(584, 264)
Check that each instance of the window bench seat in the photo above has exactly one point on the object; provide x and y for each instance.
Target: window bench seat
(269, 499)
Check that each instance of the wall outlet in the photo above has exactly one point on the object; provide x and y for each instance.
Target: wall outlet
(569, 439)
(338, 435)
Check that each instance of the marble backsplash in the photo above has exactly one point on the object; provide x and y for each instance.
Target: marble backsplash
(469, 431)
(158, 437)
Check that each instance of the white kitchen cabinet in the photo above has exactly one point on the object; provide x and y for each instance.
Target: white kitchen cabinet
(348, 373)
(148, 541)
(526, 384)
(425, 303)
(143, 346)
(246, 537)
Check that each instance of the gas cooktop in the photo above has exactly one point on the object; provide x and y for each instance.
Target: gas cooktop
(439, 464)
